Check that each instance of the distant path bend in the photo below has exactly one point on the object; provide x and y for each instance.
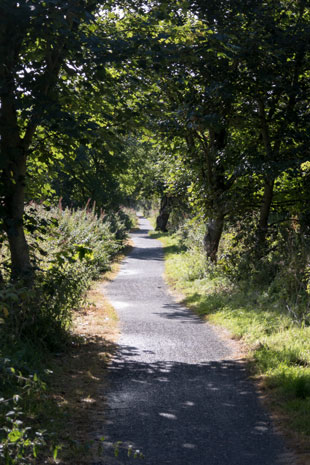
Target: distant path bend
(174, 391)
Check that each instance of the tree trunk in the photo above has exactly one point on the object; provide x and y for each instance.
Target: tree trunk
(15, 140)
(164, 213)
(213, 236)
(13, 156)
(264, 217)
(14, 184)
(269, 183)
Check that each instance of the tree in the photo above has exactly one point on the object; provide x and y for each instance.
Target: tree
(234, 85)
(196, 105)
(55, 48)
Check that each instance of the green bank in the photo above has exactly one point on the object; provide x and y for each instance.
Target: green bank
(277, 341)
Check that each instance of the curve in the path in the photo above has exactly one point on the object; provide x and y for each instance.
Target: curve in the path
(175, 392)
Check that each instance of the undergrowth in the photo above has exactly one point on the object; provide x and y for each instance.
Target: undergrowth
(69, 249)
(255, 311)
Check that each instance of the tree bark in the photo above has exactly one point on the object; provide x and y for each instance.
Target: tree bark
(13, 223)
(262, 229)
(216, 185)
(13, 154)
(213, 236)
(13, 182)
(164, 213)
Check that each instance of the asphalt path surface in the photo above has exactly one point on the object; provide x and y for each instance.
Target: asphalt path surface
(175, 391)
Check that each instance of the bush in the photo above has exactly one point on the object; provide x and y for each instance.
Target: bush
(20, 442)
(282, 272)
(191, 234)
(70, 248)
(291, 284)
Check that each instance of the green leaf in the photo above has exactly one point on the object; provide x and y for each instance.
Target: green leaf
(15, 435)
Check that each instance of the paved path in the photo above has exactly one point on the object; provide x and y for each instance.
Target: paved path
(175, 392)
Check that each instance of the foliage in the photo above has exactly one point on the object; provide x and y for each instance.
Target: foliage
(74, 248)
(19, 440)
(63, 116)
(204, 105)
(231, 108)
(69, 248)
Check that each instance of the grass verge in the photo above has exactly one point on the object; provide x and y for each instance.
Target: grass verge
(277, 348)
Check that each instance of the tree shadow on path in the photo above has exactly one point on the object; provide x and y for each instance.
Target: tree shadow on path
(183, 315)
(187, 414)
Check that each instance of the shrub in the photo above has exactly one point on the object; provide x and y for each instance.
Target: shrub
(20, 442)
(282, 272)
(69, 249)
